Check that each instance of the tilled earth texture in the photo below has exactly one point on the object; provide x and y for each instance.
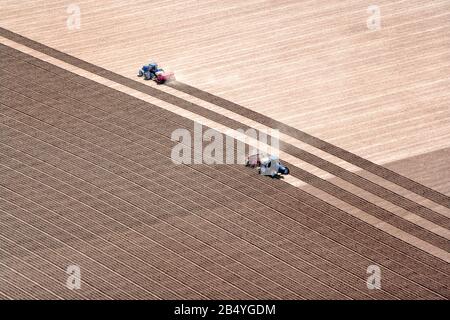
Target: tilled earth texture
(92, 205)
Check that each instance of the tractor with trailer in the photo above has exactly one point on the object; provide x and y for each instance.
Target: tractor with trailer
(152, 71)
(268, 165)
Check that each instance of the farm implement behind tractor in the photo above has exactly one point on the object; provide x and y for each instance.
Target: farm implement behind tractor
(153, 72)
(268, 165)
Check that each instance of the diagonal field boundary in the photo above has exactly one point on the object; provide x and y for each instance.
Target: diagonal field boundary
(352, 158)
(365, 164)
